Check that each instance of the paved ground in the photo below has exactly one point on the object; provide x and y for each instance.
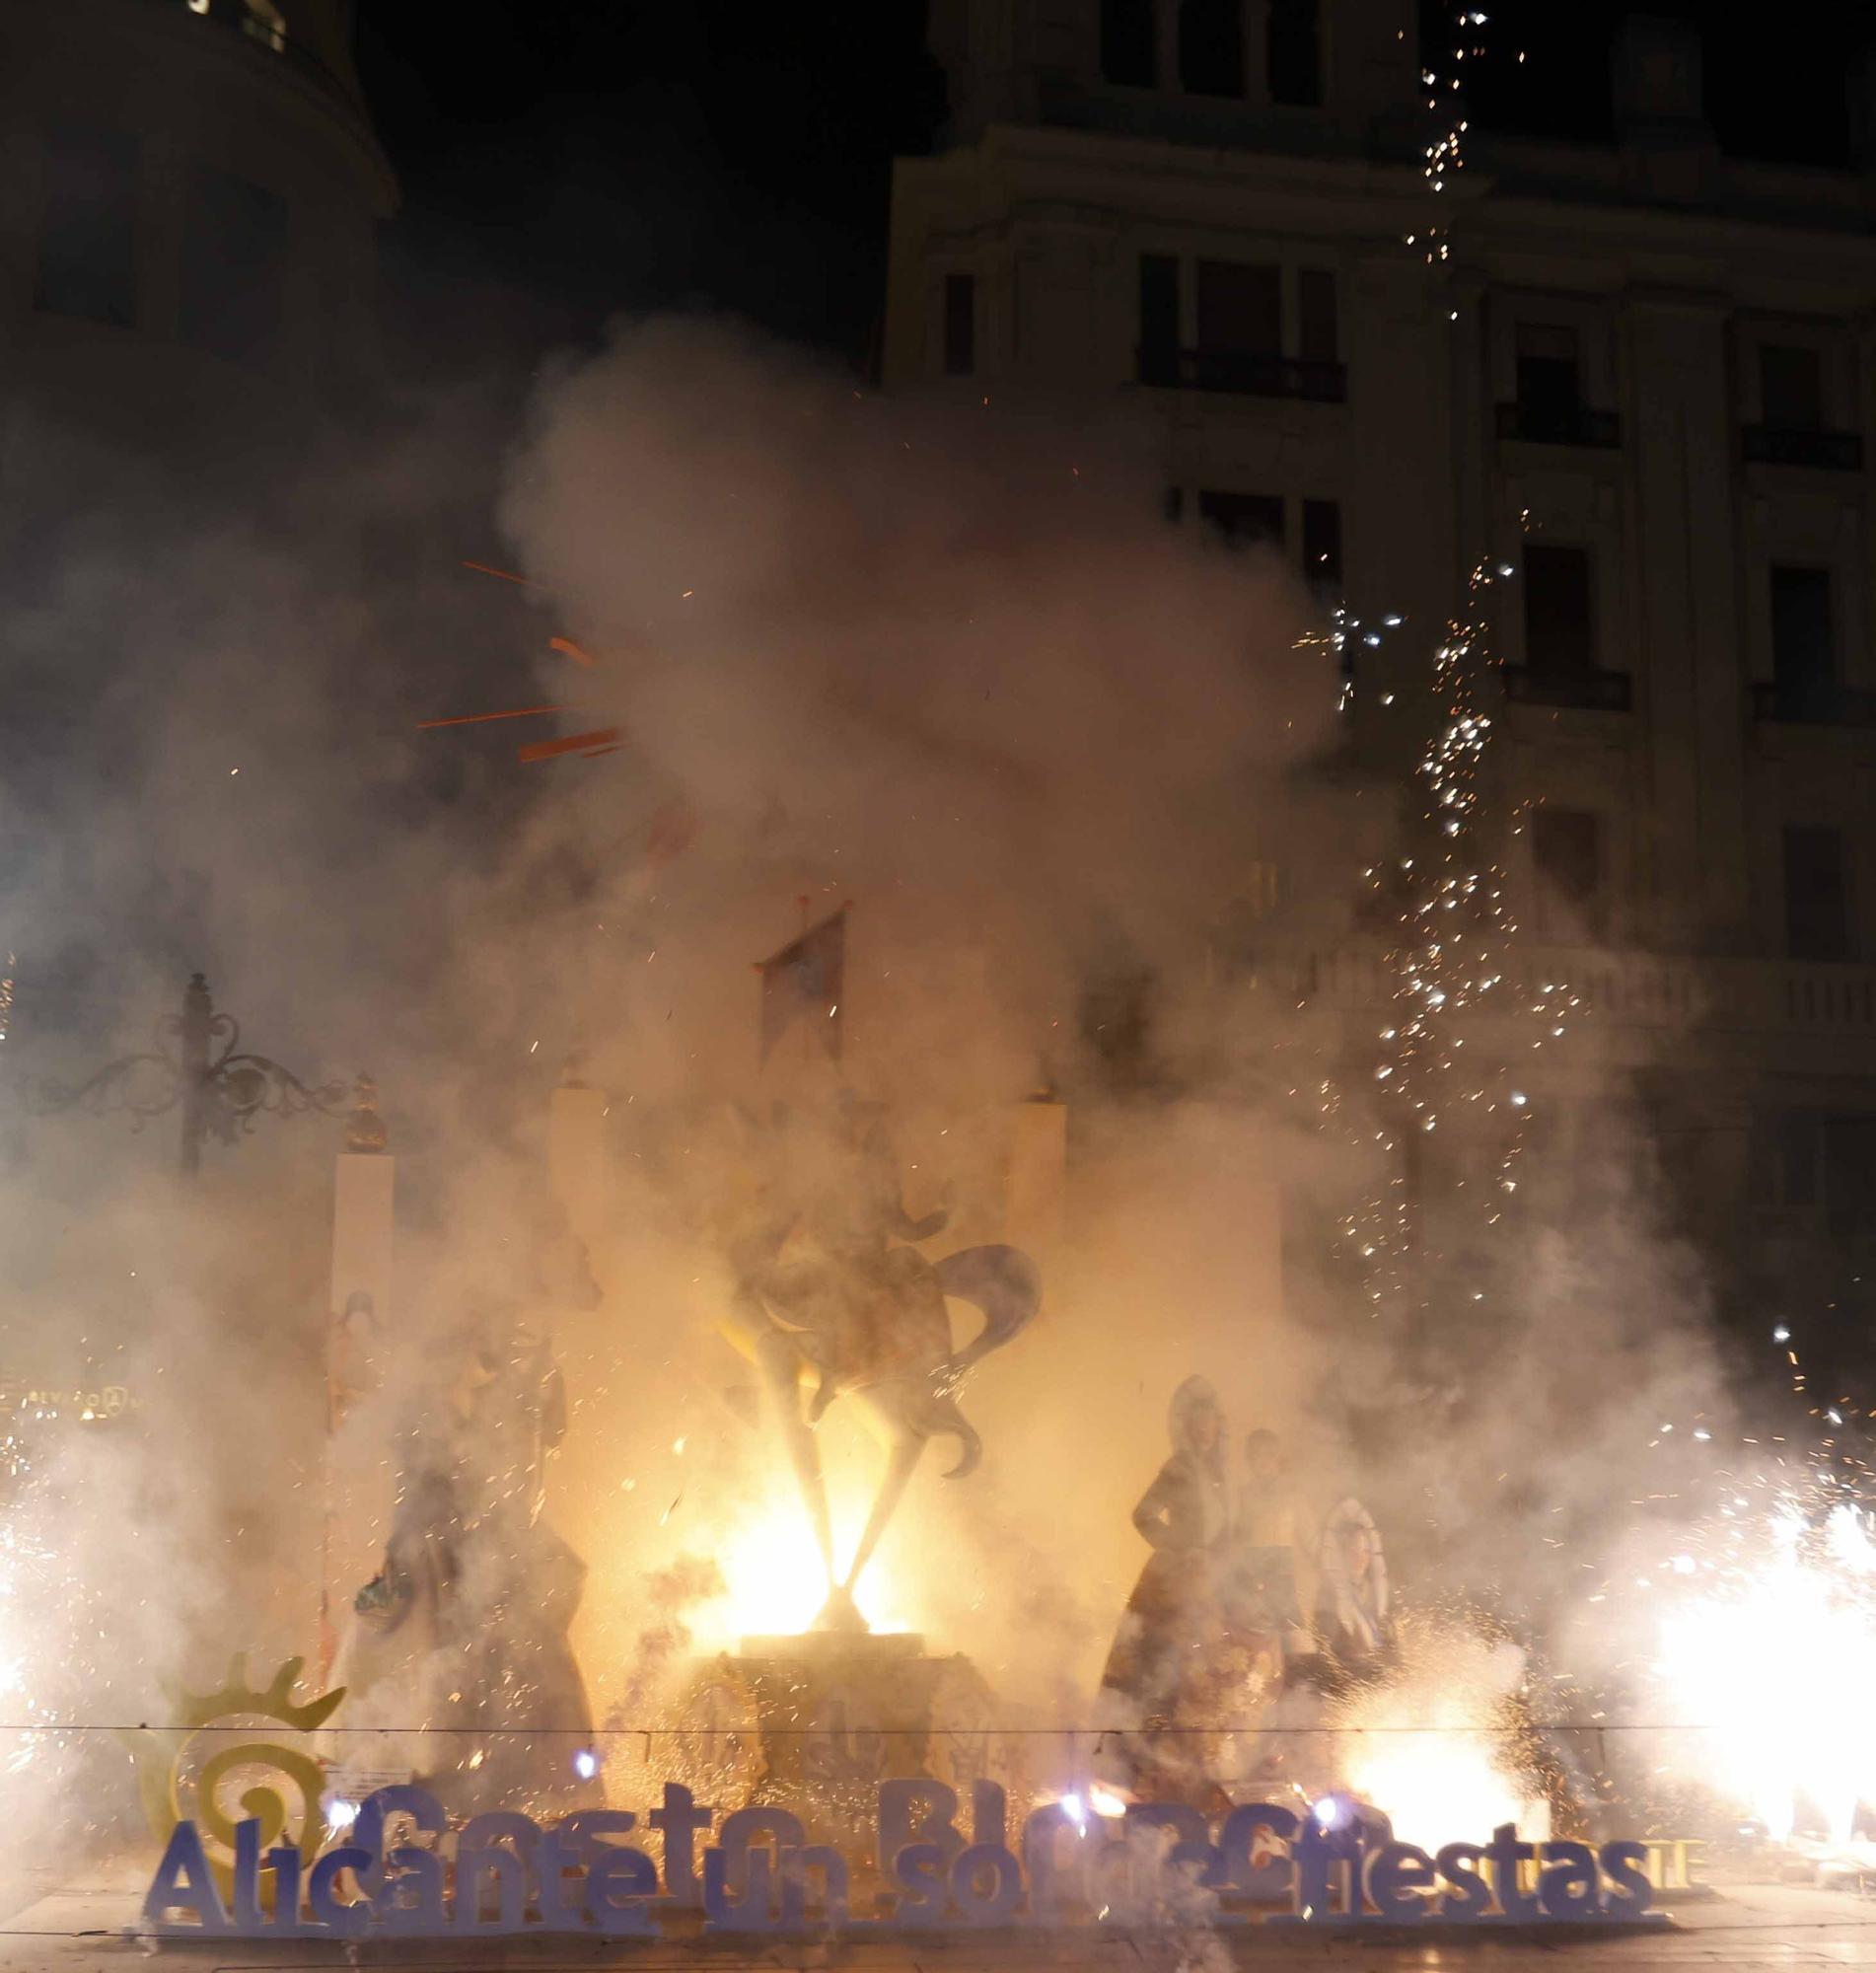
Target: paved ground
(83, 1929)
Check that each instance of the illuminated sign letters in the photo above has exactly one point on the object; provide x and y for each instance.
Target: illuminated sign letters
(503, 1872)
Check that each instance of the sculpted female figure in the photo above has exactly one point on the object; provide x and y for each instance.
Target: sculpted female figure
(1172, 1628)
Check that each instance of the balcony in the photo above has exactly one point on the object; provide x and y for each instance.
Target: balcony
(260, 25)
(1830, 452)
(1559, 424)
(1814, 703)
(1593, 689)
(1242, 372)
(1805, 1000)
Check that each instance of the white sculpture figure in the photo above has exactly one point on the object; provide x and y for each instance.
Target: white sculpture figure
(1352, 1608)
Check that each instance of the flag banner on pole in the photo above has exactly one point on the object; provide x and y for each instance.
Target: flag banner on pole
(806, 979)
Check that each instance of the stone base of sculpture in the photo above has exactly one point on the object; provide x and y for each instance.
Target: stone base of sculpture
(813, 1724)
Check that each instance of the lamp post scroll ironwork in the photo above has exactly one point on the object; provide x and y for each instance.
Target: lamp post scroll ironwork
(199, 1066)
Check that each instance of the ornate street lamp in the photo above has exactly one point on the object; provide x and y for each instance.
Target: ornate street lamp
(199, 1066)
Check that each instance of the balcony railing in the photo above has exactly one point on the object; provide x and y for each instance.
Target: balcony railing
(1791, 1238)
(235, 17)
(1822, 703)
(1559, 424)
(1598, 691)
(1239, 371)
(1675, 991)
(1833, 452)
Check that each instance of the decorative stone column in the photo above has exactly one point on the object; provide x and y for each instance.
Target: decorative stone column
(1037, 1197)
(357, 1491)
(364, 1179)
(576, 1152)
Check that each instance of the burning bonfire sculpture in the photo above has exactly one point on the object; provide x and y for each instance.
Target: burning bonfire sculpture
(832, 1307)
(827, 1307)
(465, 1629)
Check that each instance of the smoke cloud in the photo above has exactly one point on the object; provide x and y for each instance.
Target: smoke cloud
(943, 662)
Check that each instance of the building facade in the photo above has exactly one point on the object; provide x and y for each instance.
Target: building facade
(1642, 378)
(188, 235)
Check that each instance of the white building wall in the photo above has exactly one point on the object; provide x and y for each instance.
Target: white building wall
(1673, 266)
(219, 89)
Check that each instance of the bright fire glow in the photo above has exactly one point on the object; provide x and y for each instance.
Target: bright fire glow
(1429, 1749)
(1763, 1664)
(774, 1577)
(775, 1582)
(1443, 1788)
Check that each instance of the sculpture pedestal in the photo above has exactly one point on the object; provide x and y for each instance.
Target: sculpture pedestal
(814, 1723)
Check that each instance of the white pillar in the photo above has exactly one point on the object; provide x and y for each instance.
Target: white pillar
(1035, 1200)
(362, 1238)
(358, 1486)
(576, 1154)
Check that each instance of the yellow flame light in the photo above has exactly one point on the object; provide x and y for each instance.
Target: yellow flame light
(1443, 1788)
(1767, 1669)
(1429, 1749)
(775, 1582)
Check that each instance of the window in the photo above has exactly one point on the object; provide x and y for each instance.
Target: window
(1117, 1018)
(1241, 519)
(1236, 942)
(1566, 852)
(1549, 385)
(1127, 44)
(1804, 1159)
(233, 246)
(1211, 47)
(1322, 545)
(1295, 48)
(1236, 331)
(1797, 1147)
(1240, 309)
(265, 22)
(1548, 408)
(1316, 341)
(1159, 319)
(961, 325)
(1817, 918)
(1560, 640)
(87, 234)
(1850, 1173)
(1803, 657)
(1782, 1158)
(1791, 389)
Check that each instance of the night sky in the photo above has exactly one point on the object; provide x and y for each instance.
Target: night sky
(563, 159)
(583, 155)
(1776, 94)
